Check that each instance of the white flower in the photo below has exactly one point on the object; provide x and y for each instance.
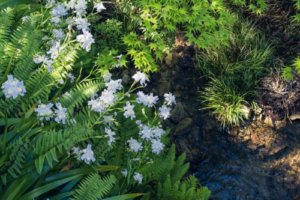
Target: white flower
(50, 3)
(108, 120)
(39, 59)
(97, 105)
(108, 97)
(114, 85)
(76, 151)
(138, 177)
(54, 50)
(124, 172)
(71, 77)
(86, 39)
(70, 21)
(71, 4)
(169, 99)
(59, 10)
(99, 7)
(80, 7)
(82, 23)
(107, 77)
(44, 111)
(146, 132)
(60, 113)
(25, 19)
(157, 146)
(128, 111)
(147, 100)
(134, 145)
(119, 57)
(158, 132)
(58, 34)
(55, 20)
(164, 112)
(88, 155)
(48, 62)
(13, 87)
(111, 135)
(61, 81)
(140, 77)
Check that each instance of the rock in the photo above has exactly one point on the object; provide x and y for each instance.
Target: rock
(277, 149)
(126, 78)
(253, 147)
(255, 138)
(234, 131)
(184, 126)
(246, 138)
(164, 87)
(178, 113)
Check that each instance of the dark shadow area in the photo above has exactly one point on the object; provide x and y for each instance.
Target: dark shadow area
(234, 166)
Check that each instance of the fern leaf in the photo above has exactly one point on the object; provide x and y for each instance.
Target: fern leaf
(94, 187)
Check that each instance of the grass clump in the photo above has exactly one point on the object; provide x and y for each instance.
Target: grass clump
(233, 72)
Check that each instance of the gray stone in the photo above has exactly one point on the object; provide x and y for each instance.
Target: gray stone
(184, 126)
(126, 78)
(164, 87)
(178, 113)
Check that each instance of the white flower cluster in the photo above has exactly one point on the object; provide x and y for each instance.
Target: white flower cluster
(164, 110)
(153, 135)
(141, 78)
(138, 177)
(13, 87)
(58, 12)
(79, 8)
(147, 100)
(86, 155)
(148, 134)
(134, 145)
(46, 112)
(129, 111)
(107, 97)
(111, 136)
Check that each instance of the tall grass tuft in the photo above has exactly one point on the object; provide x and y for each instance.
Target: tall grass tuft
(233, 72)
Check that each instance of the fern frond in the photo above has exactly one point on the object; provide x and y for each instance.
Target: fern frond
(51, 145)
(94, 187)
(6, 19)
(17, 153)
(80, 93)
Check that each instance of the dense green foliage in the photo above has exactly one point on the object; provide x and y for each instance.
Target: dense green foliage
(38, 159)
(70, 131)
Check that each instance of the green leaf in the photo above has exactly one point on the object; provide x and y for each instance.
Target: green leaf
(125, 196)
(13, 3)
(46, 188)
